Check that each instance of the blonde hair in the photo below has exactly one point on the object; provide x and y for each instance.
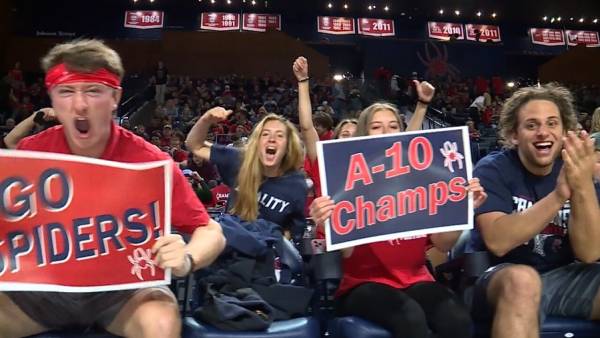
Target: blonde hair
(84, 55)
(553, 92)
(595, 121)
(251, 173)
(338, 128)
(365, 117)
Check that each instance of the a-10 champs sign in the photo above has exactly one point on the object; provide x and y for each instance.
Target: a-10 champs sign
(400, 185)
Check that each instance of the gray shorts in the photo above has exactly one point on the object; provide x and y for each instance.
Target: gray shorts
(568, 291)
(57, 310)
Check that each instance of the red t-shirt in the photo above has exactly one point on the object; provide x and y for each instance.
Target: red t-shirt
(187, 213)
(498, 85)
(180, 155)
(328, 135)
(398, 263)
(481, 85)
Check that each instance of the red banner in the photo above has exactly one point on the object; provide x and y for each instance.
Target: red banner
(220, 21)
(588, 38)
(483, 33)
(261, 22)
(70, 223)
(547, 36)
(376, 27)
(445, 30)
(335, 25)
(144, 19)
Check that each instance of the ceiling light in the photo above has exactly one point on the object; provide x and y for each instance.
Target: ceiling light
(441, 11)
(580, 19)
(386, 8)
(329, 5)
(457, 12)
(345, 6)
(545, 18)
(494, 15)
(479, 13)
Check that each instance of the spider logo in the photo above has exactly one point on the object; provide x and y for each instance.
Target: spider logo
(140, 260)
(437, 65)
(451, 155)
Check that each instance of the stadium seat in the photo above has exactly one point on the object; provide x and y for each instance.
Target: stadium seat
(554, 327)
(305, 327)
(355, 327)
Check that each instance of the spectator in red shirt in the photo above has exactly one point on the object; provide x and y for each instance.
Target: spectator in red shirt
(167, 133)
(16, 74)
(83, 78)
(179, 155)
(324, 125)
(220, 195)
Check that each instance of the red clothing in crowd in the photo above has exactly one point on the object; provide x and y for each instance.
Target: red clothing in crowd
(220, 194)
(398, 263)
(328, 135)
(486, 116)
(187, 213)
(180, 155)
(481, 85)
(498, 85)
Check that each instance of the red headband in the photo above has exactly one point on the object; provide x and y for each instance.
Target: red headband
(59, 74)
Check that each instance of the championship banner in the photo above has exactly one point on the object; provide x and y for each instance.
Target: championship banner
(376, 27)
(220, 21)
(144, 19)
(547, 36)
(445, 30)
(483, 33)
(77, 224)
(395, 186)
(587, 38)
(261, 22)
(335, 25)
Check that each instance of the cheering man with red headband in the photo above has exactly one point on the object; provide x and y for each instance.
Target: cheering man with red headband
(83, 79)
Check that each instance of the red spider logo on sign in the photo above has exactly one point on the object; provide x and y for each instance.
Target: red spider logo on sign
(141, 260)
(437, 65)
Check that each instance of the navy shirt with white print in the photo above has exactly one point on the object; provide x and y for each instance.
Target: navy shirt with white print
(281, 199)
(512, 188)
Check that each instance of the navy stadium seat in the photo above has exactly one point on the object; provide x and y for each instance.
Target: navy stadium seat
(356, 327)
(305, 327)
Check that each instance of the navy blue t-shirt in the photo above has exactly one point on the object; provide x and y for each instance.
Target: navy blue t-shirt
(512, 188)
(281, 199)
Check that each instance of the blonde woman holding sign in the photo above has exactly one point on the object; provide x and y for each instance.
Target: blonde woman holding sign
(388, 282)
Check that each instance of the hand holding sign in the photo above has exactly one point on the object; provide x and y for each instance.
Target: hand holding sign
(170, 253)
(321, 209)
(477, 192)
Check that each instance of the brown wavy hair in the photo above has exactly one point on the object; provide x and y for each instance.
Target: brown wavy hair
(553, 92)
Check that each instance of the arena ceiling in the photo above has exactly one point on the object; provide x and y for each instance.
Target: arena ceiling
(529, 12)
